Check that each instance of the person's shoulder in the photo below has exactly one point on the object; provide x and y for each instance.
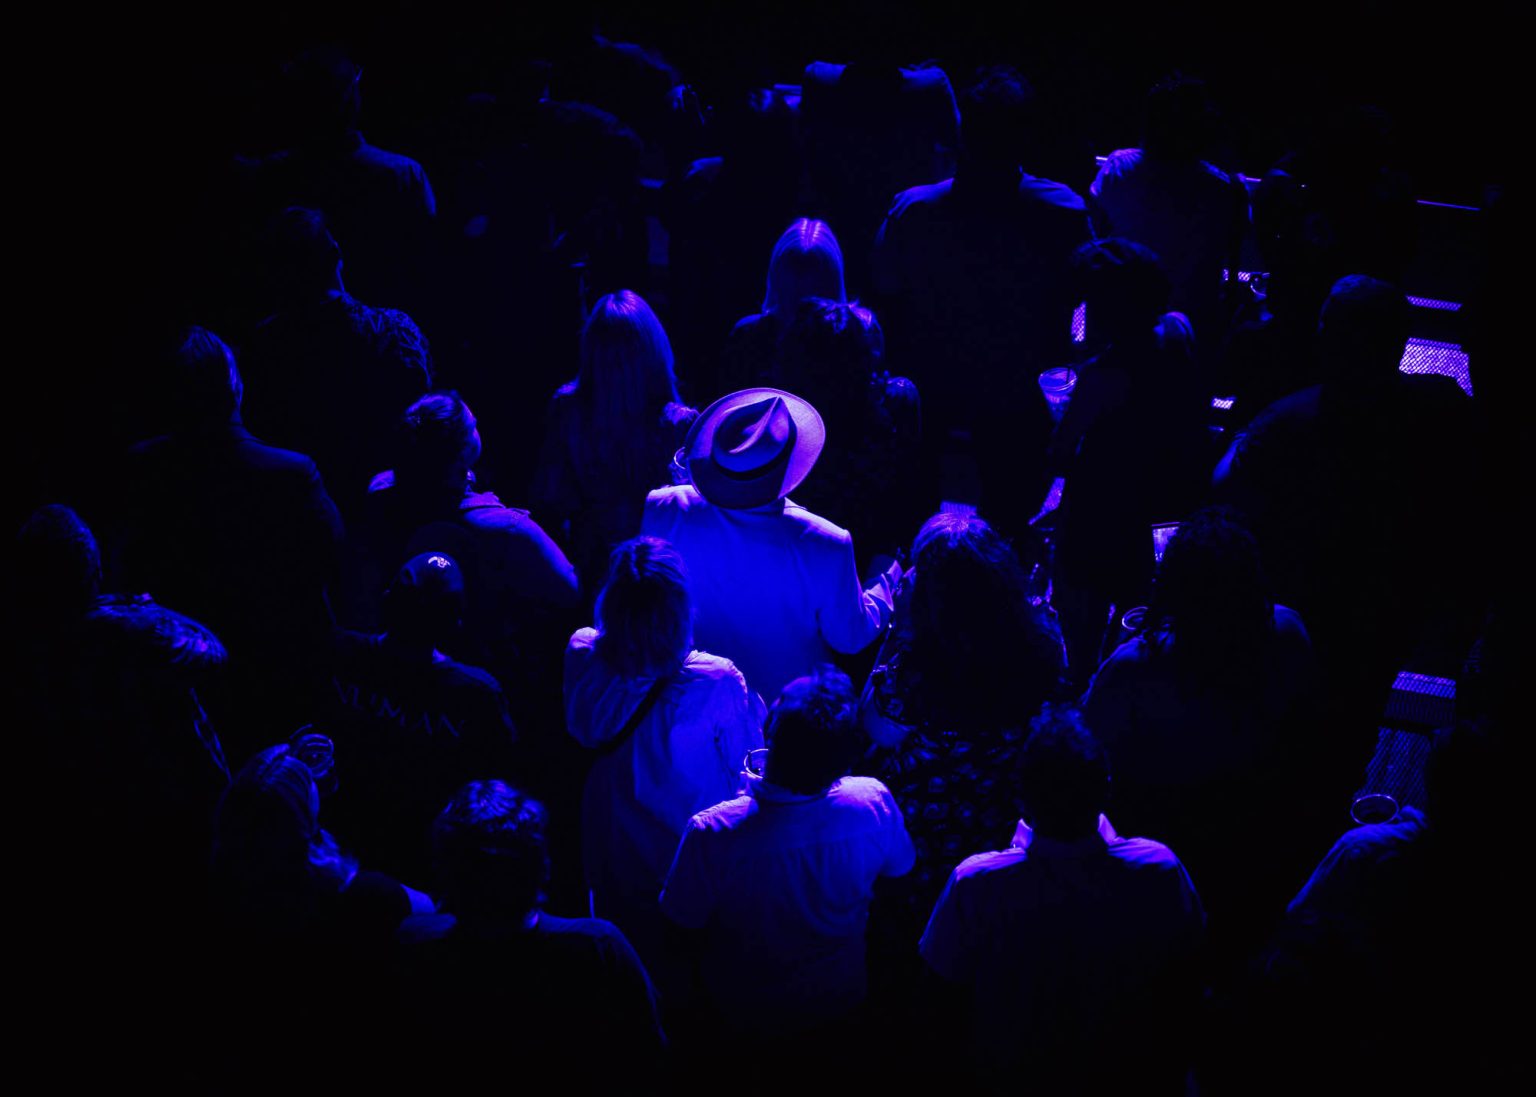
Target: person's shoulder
(1215, 175)
(278, 461)
(979, 866)
(598, 930)
(149, 449)
(701, 665)
(724, 816)
(1288, 413)
(465, 675)
(484, 510)
(863, 793)
(678, 498)
(1129, 656)
(813, 527)
(826, 73)
(394, 161)
(916, 201)
(924, 77)
(752, 325)
(1144, 855)
(177, 640)
(1050, 195)
(425, 929)
(1288, 623)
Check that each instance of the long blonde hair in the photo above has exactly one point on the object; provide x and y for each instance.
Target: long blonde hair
(806, 262)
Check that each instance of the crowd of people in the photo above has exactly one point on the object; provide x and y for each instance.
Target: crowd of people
(776, 743)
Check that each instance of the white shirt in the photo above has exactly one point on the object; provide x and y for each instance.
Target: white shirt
(686, 755)
(776, 588)
(1054, 938)
(783, 882)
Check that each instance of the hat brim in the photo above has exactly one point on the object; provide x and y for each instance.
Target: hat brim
(779, 479)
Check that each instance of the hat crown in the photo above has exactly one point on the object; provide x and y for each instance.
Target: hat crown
(753, 436)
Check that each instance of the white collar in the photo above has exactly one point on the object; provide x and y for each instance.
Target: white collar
(1024, 836)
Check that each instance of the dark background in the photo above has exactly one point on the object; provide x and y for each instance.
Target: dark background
(130, 113)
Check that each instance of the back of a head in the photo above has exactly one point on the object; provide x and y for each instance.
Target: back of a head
(425, 602)
(645, 612)
(812, 733)
(302, 252)
(1362, 330)
(58, 566)
(205, 385)
(490, 853)
(975, 633)
(830, 351)
(323, 85)
(1211, 593)
(806, 262)
(269, 847)
(1123, 286)
(996, 117)
(438, 442)
(1064, 779)
(1176, 119)
(626, 373)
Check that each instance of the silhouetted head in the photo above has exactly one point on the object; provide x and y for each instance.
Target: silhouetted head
(439, 443)
(1124, 287)
(644, 611)
(996, 118)
(1064, 779)
(626, 359)
(324, 86)
(1176, 119)
(812, 733)
(489, 850)
(1211, 595)
(977, 638)
(806, 262)
(269, 846)
(205, 385)
(305, 257)
(829, 353)
(1362, 331)
(57, 566)
(425, 603)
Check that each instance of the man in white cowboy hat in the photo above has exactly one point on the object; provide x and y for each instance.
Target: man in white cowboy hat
(776, 587)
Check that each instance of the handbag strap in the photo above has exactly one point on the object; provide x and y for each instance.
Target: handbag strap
(637, 717)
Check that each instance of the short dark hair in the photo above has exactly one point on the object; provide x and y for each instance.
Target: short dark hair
(1210, 594)
(1064, 778)
(812, 732)
(1363, 328)
(438, 432)
(489, 850)
(828, 353)
(300, 246)
(205, 382)
(996, 114)
(1123, 285)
